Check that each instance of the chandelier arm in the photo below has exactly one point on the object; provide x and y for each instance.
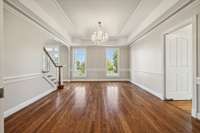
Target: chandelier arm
(99, 35)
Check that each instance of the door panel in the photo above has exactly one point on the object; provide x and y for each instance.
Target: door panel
(171, 62)
(182, 53)
(178, 67)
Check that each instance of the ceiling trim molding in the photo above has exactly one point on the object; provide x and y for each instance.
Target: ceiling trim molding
(64, 13)
(100, 45)
(103, 45)
(170, 13)
(129, 17)
(17, 6)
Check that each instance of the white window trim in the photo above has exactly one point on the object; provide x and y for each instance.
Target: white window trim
(73, 64)
(118, 63)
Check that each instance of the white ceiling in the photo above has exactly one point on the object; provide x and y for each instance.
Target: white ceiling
(143, 10)
(76, 20)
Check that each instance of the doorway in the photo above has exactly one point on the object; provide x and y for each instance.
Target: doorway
(179, 68)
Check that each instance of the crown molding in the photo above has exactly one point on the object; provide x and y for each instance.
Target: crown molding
(123, 28)
(20, 8)
(110, 43)
(68, 20)
(167, 15)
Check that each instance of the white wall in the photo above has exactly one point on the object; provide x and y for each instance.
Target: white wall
(96, 64)
(64, 61)
(1, 66)
(146, 64)
(197, 103)
(147, 54)
(24, 41)
(1, 41)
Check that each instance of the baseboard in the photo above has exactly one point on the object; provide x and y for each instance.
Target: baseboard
(96, 80)
(26, 103)
(194, 113)
(148, 90)
(66, 80)
(197, 116)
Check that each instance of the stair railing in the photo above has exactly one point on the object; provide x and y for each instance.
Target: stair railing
(58, 68)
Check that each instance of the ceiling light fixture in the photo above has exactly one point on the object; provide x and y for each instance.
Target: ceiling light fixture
(99, 35)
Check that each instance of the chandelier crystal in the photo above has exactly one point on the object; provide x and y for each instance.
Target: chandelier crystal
(99, 35)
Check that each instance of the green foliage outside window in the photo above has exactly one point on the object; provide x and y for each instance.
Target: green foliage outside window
(80, 68)
(79, 62)
(112, 63)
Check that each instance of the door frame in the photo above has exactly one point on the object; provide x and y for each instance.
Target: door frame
(194, 61)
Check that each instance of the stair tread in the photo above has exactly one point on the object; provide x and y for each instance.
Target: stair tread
(53, 79)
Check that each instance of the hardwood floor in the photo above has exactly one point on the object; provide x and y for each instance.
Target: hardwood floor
(101, 107)
(184, 105)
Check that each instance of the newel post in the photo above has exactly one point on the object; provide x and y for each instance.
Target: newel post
(60, 85)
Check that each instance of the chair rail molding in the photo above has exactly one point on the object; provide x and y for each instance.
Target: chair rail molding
(105, 79)
(104, 69)
(20, 78)
(198, 80)
(148, 72)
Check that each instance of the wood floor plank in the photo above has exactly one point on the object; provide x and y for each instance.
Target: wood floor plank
(101, 107)
(185, 105)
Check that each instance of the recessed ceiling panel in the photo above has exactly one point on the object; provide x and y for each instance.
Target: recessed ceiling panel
(85, 14)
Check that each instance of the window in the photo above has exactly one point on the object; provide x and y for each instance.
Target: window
(79, 62)
(112, 61)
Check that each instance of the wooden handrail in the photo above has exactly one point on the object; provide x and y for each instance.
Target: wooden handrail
(60, 86)
(48, 55)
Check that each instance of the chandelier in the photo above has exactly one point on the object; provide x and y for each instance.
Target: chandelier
(99, 35)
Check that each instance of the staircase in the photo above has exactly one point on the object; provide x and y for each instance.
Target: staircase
(52, 71)
(51, 79)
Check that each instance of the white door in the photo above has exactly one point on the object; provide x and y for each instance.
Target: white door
(1, 65)
(179, 66)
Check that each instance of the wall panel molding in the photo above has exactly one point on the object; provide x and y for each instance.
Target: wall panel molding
(146, 72)
(26, 103)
